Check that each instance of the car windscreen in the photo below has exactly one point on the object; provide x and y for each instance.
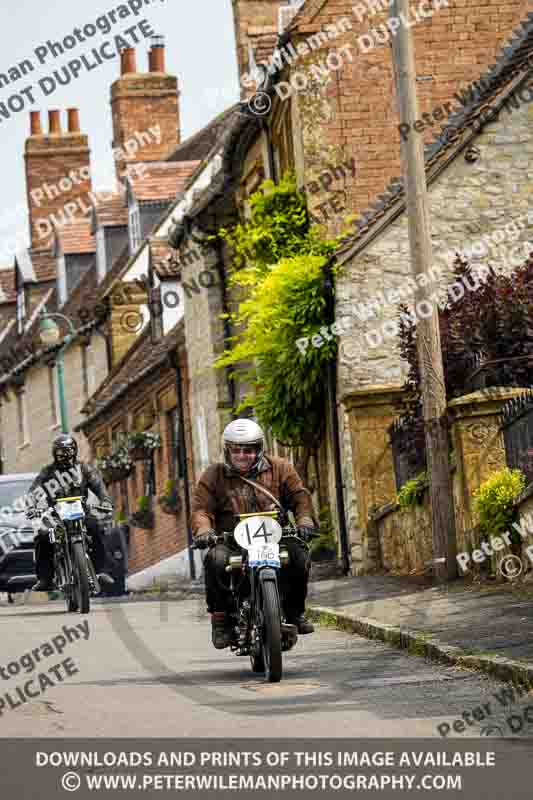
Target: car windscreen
(11, 491)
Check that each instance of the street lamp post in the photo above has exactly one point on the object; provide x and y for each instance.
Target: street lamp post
(49, 334)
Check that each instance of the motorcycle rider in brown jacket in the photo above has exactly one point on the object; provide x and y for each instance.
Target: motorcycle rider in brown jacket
(220, 494)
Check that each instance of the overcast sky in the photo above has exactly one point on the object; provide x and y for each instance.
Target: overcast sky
(200, 51)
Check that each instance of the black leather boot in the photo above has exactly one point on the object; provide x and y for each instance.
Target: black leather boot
(303, 624)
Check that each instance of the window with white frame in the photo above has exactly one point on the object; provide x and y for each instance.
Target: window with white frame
(100, 254)
(22, 414)
(86, 371)
(53, 397)
(134, 226)
(21, 309)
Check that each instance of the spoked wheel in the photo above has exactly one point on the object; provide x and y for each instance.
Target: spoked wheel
(271, 633)
(81, 579)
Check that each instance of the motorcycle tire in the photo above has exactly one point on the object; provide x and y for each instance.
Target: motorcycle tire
(63, 580)
(271, 633)
(257, 661)
(81, 578)
(72, 603)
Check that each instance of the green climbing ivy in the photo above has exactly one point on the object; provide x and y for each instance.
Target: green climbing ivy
(279, 260)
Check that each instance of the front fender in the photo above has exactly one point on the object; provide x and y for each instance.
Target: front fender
(267, 574)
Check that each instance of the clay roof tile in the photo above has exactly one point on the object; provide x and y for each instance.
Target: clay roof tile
(162, 180)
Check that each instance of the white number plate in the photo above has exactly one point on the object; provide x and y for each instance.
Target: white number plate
(257, 530)
(72, 509)
(264, 554)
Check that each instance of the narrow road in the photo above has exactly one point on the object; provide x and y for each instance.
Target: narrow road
(148, 669)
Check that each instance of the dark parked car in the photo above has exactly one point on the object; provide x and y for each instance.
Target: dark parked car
(17, 563)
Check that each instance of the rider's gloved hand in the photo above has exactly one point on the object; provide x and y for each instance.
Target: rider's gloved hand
(205, 539)
(306, 533)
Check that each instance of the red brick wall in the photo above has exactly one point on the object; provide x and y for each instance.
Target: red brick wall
(49, 159)
(140, 101)
(455, 47)
(169, 535)
(256, 23)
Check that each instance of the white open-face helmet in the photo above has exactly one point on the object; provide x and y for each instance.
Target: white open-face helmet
(243, 432)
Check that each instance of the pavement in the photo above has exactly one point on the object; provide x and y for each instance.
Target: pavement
(483, 627)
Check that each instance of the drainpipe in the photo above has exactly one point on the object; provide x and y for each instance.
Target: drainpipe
(227, 325)
(184, 469)
(270, 149)
(334, 419)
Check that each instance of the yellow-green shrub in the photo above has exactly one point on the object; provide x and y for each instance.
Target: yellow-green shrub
(493, 501)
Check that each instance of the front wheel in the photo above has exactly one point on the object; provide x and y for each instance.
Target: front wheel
(81, 578)
(271, 633)
(66, 585)
(257, 660)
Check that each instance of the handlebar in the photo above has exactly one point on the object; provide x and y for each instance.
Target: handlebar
(288, 533)
(103, 509)
(39, 512)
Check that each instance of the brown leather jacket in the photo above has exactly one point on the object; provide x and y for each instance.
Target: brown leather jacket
(220, 494)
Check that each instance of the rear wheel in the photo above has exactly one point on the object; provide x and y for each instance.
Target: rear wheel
(81, 578)
(271, 633)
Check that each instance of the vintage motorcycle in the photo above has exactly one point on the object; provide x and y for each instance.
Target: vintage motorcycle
(259, 628)
(74, 570)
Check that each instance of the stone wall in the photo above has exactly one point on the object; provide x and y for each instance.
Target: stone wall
(466, 202)
(405, 536)
(204, 334)
(524, 505)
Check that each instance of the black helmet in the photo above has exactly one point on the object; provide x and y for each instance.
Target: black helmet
(65, 451)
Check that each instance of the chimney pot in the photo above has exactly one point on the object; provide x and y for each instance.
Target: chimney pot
(156, 56)
(54, 122)
(73, 120)
(35, 123)
(128, 61)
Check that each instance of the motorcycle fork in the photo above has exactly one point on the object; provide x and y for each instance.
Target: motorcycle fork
(62, 562)
(82, 536)
(255, 622)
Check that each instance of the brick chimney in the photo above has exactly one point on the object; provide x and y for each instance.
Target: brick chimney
(144, 100)
(256, 24)
(50, 157)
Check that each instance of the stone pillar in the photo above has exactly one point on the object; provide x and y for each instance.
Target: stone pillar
(479, 449)
(370, 412)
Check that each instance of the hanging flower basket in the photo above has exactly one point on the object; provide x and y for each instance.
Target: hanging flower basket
(143, 519)
(117, 465)
(170, 502)
(141, 444)
(115, 474)
(138, 453)
(170, 505)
